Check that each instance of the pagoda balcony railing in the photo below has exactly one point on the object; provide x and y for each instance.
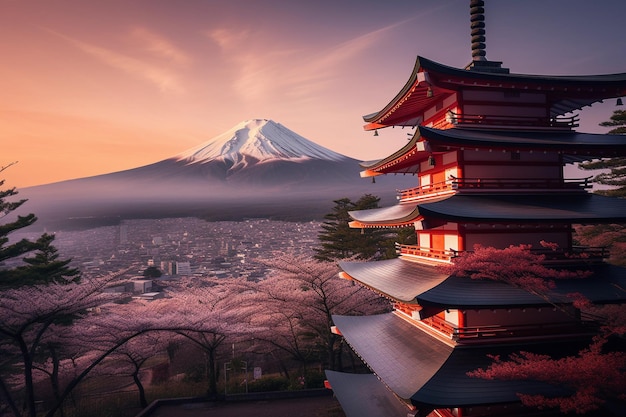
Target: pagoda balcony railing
(423, 252)
(428, 190)
(491, 184)
(521, 184)
(487, 120)
(476, 333)
(574, 255)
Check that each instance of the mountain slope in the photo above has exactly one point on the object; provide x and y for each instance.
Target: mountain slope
(259, 140)
(258, 168)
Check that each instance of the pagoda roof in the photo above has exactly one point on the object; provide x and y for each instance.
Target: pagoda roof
(594, 144)
(573, 145)
(405, 159)
(398, 214)
(363, 395)
(499, 208)
(410, 281)
(429, 372)
(404, 357)
(605, 285)
(396, 278)
(569, 208)
(431, 82)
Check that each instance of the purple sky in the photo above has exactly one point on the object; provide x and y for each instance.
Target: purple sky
(92, 87)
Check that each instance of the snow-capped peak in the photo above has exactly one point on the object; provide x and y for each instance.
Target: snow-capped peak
(261, 139)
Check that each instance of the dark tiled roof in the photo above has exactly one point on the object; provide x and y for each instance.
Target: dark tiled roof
(399, 279)
(417, 366)
(409, 281)
(586, 208)
(402, 356)
(463, 292)
(586, 143)
(607, 285)
(576, 147)
(396, 213)
(363, 395)
(452, 387)
(565, 93)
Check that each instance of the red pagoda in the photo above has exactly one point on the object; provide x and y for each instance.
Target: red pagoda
(488, 154)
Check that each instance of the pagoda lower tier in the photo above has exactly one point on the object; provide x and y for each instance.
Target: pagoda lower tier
(474, 311)
(425, 373)
(445, 326)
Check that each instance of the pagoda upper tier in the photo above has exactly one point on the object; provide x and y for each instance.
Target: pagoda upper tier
(492, 99)
(427, 143)
(497, 208)
(406, 281)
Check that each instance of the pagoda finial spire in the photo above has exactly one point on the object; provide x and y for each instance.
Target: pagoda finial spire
(479, 55)
(477, 19)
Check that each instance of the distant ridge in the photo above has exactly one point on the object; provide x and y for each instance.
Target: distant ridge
(259, 168)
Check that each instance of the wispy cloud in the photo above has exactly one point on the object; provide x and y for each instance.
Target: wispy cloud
(228, 39)
(160, 46)
(296, 73)
(164, 79)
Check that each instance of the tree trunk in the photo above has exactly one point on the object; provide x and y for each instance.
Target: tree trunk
(28, 379)
(54, 378)
(5, 391)
(211, 373)
(142, 392)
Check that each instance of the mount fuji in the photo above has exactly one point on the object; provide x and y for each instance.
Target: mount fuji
(259, 168)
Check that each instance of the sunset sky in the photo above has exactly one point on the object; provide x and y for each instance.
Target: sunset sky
(90, 87)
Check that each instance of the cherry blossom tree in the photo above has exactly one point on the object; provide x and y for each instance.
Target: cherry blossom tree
(609, 236)
(596, 376)
(297, 302)
(516, 265)
(208, 312)
(130, 359)
(29, 329)
(63, 332)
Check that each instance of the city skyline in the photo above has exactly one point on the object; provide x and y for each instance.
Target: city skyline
(96, 87)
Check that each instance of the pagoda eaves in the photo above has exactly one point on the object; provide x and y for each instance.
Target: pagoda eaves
(411, 282)
(428, 141)
(431, 84)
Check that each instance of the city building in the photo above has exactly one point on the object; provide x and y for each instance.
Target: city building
(488, 153)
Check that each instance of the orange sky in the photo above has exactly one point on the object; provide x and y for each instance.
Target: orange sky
(90, 87)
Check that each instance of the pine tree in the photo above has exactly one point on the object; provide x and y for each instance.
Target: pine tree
(616, 174)
(338, 239)
(10, 251)
(44, 267)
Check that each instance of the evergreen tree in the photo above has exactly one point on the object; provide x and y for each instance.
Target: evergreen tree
(23, 246)
(340, 241)
(44, 267)
(616, 174)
